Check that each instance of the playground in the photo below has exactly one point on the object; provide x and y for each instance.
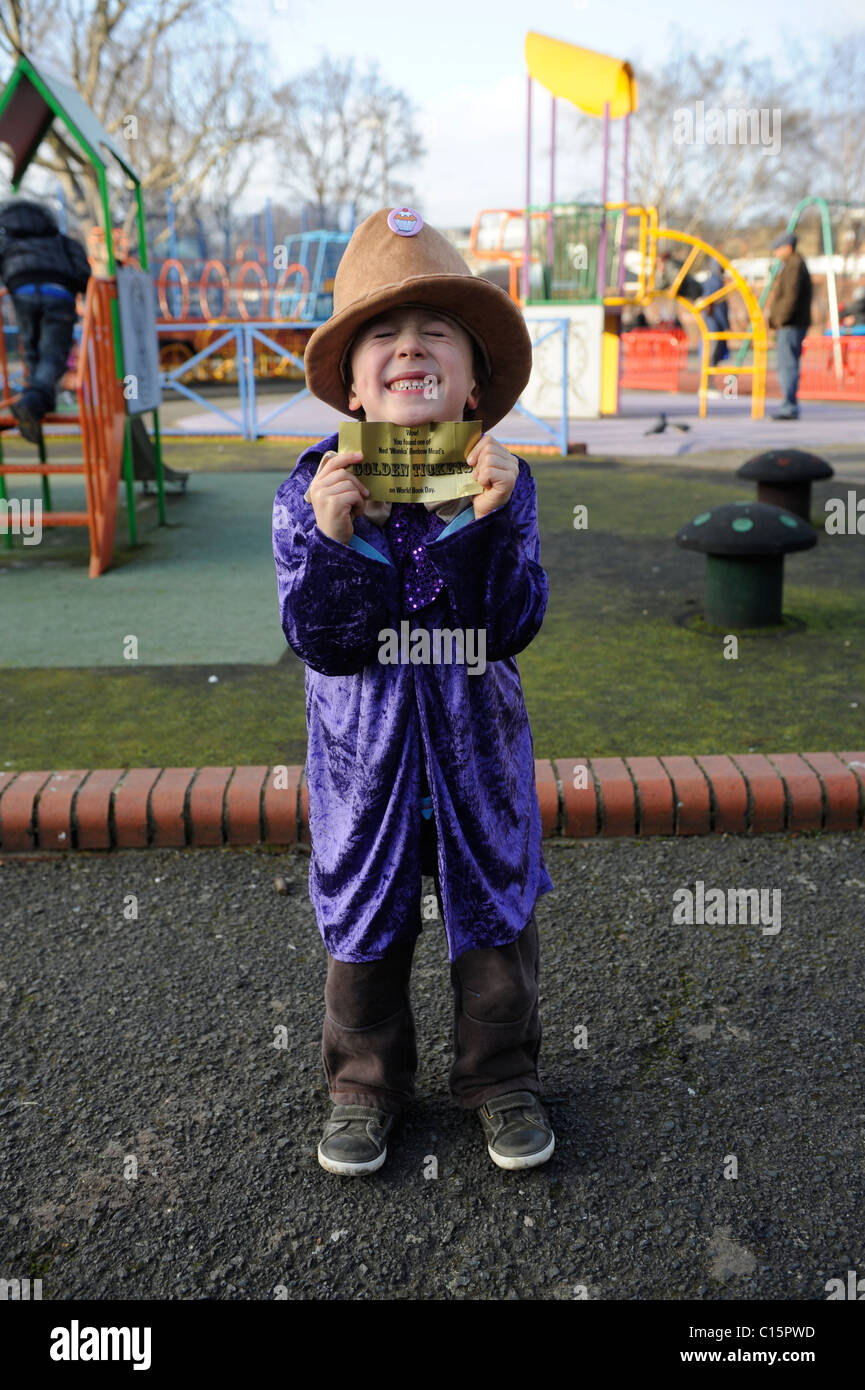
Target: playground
(230, 333)
(149, 698)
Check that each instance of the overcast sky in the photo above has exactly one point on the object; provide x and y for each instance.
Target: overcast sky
(463, 66)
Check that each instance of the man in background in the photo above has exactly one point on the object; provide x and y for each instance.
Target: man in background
(790, 316)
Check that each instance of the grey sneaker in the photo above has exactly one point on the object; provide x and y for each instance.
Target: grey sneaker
(517, 1130)
(355, 1140)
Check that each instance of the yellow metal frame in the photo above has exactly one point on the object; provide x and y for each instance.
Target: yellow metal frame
(648, 219)
(649, 236)
(589, 80)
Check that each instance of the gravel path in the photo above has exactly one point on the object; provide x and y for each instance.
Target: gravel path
(148, 1044)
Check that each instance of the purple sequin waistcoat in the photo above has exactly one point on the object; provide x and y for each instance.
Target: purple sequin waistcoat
(407, 527)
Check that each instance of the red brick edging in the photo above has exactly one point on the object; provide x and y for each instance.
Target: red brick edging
(151, 807)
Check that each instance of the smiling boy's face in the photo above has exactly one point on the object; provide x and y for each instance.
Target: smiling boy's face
(412, 365)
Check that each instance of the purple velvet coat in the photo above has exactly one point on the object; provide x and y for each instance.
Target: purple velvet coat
(369, 724)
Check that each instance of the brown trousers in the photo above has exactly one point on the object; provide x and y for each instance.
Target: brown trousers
(368, 1041)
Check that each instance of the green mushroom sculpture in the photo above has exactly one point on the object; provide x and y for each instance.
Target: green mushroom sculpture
(745, 544)
(784, 478)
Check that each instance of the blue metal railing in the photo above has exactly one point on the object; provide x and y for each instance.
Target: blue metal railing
(250, 426)
(558, 433)
(243, 337)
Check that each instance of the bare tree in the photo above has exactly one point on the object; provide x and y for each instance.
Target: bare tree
(345, 137)
(833, 159)
(180, 106)
(25, 26)
(835, 90)
(688, 155)
(219, 203)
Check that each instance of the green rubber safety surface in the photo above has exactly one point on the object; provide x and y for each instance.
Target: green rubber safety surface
(199, 590)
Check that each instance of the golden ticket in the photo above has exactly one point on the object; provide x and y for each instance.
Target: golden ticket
(413, 463)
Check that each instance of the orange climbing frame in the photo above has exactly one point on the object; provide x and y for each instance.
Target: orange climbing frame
(102, 419)
(102, 412)
(492, 225)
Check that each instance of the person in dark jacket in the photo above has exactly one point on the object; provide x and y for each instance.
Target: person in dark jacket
(43, 270)
(668, 268)
(717, 315)
(790, 316)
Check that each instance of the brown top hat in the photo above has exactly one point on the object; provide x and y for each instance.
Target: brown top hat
(394, 259)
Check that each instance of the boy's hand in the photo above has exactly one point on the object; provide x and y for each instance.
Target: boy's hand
(337, 495)
(497, 470)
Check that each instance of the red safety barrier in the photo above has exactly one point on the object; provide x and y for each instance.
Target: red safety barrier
(652, 359)
(817, 378)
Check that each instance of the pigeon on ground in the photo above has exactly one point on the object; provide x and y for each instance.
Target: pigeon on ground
(659, 426)
(683, 428)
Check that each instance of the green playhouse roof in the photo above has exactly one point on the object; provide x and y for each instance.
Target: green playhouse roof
(32, 98)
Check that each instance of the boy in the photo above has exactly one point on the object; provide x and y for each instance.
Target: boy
(43, 270)
(417, 769)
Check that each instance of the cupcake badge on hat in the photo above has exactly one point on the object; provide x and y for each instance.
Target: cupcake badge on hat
(404, 221)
